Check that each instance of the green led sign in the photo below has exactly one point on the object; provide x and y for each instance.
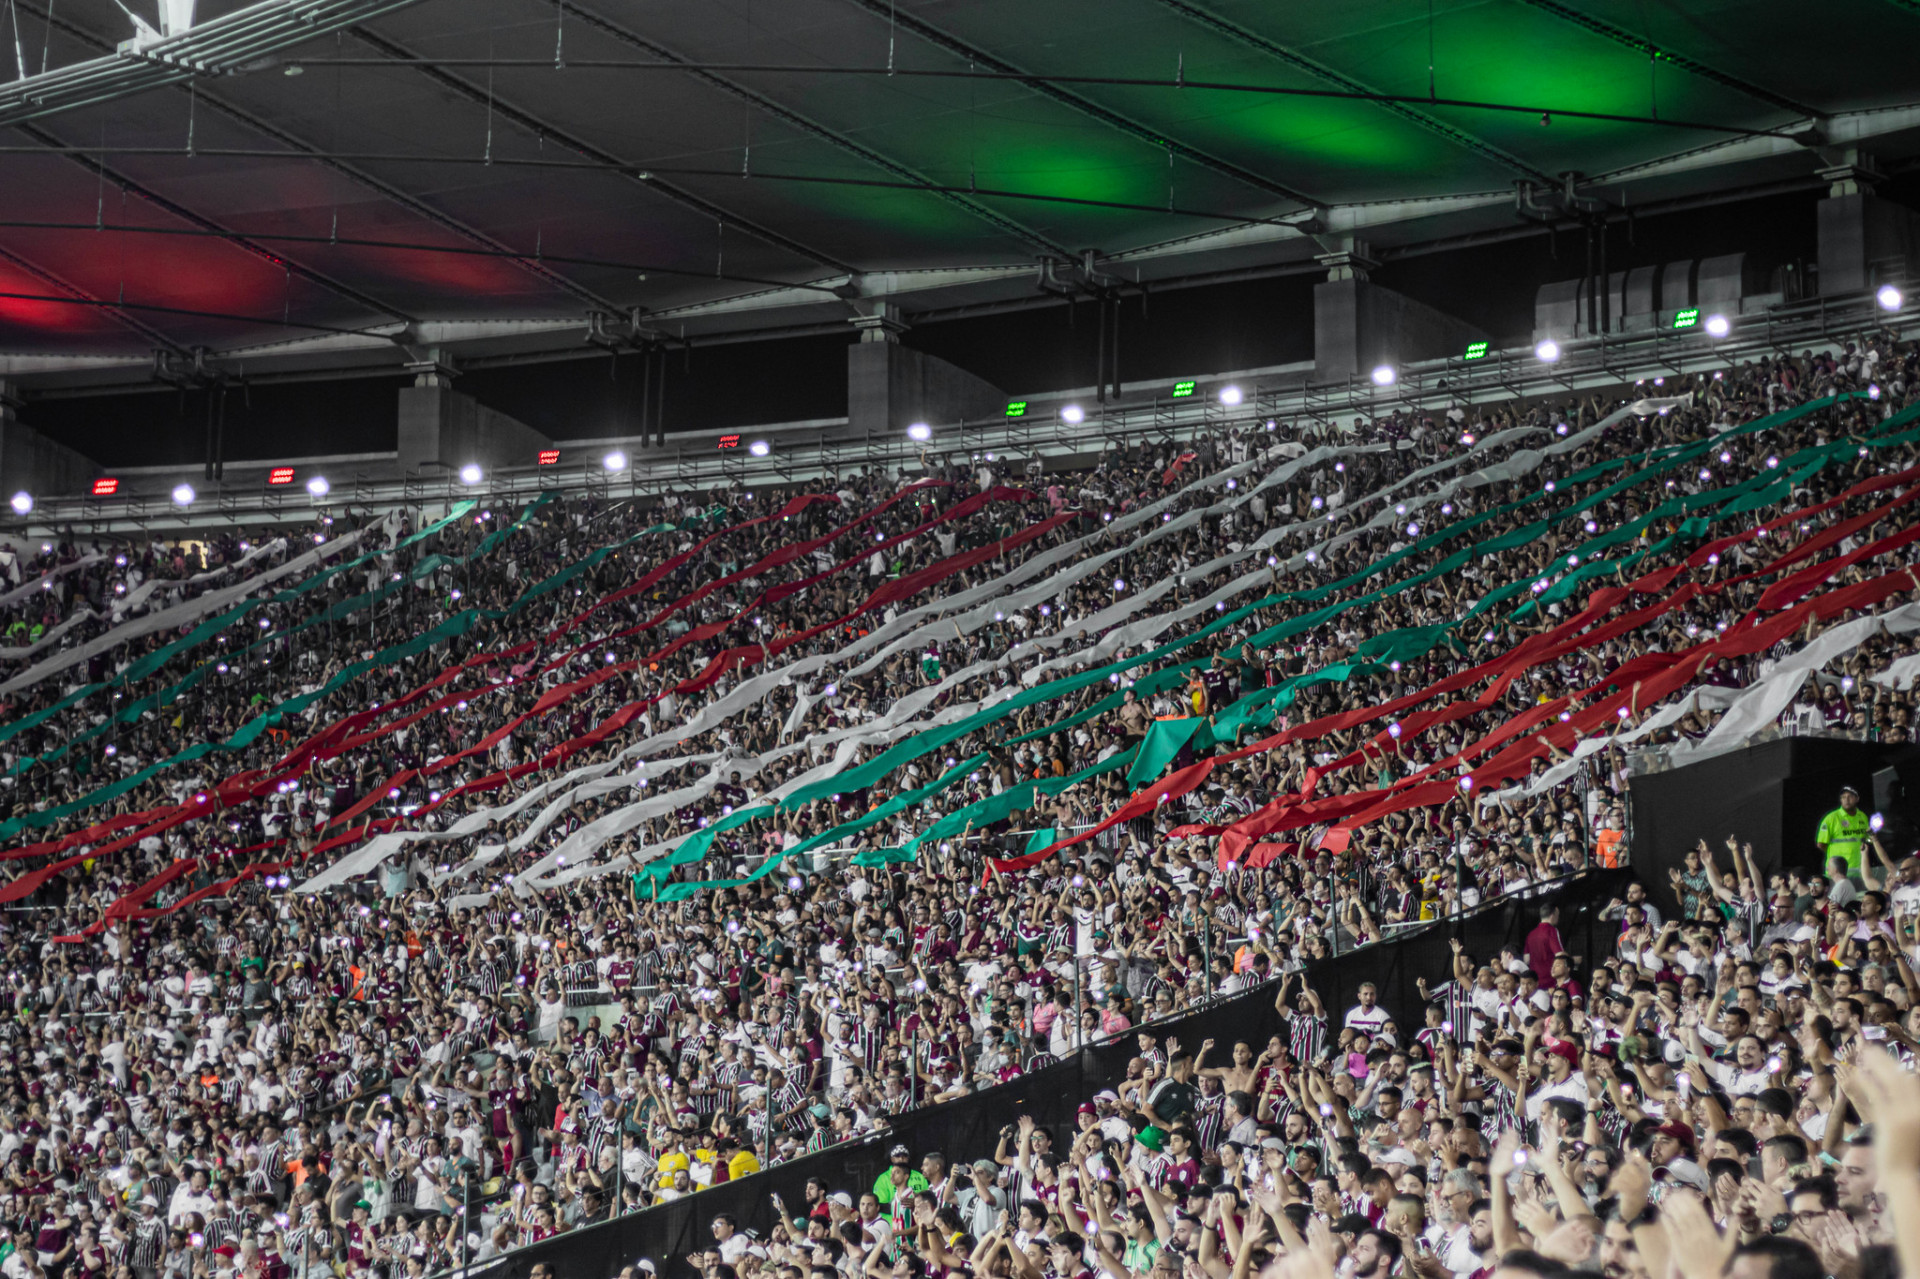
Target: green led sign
(1686, 319)
(1478, 351)
(1181, 390)
(1017, 409)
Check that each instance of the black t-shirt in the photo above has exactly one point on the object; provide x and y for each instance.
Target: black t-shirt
(1171, 1100)
(1253, 677)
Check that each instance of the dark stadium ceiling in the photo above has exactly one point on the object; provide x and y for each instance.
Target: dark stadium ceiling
(330, 184)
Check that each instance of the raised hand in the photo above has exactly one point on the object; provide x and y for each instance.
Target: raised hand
(1894, 1098)
(1698, 1249)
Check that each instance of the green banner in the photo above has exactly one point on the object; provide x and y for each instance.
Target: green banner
(452, 627)
(213, 626)
(1257, 708)
(1162, 742)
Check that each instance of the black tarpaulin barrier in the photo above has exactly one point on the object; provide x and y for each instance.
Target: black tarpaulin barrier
(1771, 796)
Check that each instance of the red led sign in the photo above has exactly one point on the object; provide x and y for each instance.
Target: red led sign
(105, 488)
(280, 475)
(729, 441)
(549, 457)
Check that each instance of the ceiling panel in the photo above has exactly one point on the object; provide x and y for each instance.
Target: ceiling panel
(765, 178)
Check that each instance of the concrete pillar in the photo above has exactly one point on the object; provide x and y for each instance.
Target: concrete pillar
(890, 386)
(441, 427)
(1358, 325)
(1865, 240)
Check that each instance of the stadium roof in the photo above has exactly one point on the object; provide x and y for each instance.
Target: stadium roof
(340, 183)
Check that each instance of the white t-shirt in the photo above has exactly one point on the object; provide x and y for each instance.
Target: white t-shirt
(1738, 1082)
(1360, 1017)
(1574, 1087)
(426, 1195)
(185, 1200)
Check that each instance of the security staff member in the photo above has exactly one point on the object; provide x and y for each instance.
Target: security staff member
(1843, 832)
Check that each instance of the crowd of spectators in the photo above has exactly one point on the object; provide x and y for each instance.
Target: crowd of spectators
(76, 589)
(436, 1063)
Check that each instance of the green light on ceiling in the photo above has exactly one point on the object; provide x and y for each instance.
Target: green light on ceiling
(1686, 319)
(1017, 409)
(1181, 390)
(1477, 351)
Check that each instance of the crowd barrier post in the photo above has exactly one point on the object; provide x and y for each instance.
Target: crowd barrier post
(1079, 1008)
(1206, 951)
(766, 1142)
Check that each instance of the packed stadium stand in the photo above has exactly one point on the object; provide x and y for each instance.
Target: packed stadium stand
(557, 721)
(398, 897)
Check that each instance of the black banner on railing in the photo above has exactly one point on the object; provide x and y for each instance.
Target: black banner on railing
(969, 1128)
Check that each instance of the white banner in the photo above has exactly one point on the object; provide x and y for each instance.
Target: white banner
(1762, 703)
(569, 862)
(214, 601)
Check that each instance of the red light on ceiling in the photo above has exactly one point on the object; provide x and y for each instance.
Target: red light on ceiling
(549, 457)
(280, 475)
(729, 441)
(105, 488)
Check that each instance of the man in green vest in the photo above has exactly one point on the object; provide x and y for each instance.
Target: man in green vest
(1843, 832)
(896, 1187)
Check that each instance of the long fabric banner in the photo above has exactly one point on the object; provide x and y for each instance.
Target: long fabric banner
(152, 662)
(1752, 426)
(1739, 496)
(765, 867)
(843, 784)
(711, 671)
(121, 607)
(47, 579)
(695, 847)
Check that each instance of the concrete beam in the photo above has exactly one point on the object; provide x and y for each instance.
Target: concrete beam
(1358, 326)
(1865, 241)
(890, 387)
(32, 463)
(443, 428)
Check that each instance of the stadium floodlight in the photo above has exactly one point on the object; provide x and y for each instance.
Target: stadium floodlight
(1718, 326)
(1547, 351)
(1073, 414)
(920, 431)
(471, 473)
(318, 486)
(615, 461)
(1890, 297)
(22, 502)
(1383, 375)
(1231, 395)
(183, 495)
(759, 448)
